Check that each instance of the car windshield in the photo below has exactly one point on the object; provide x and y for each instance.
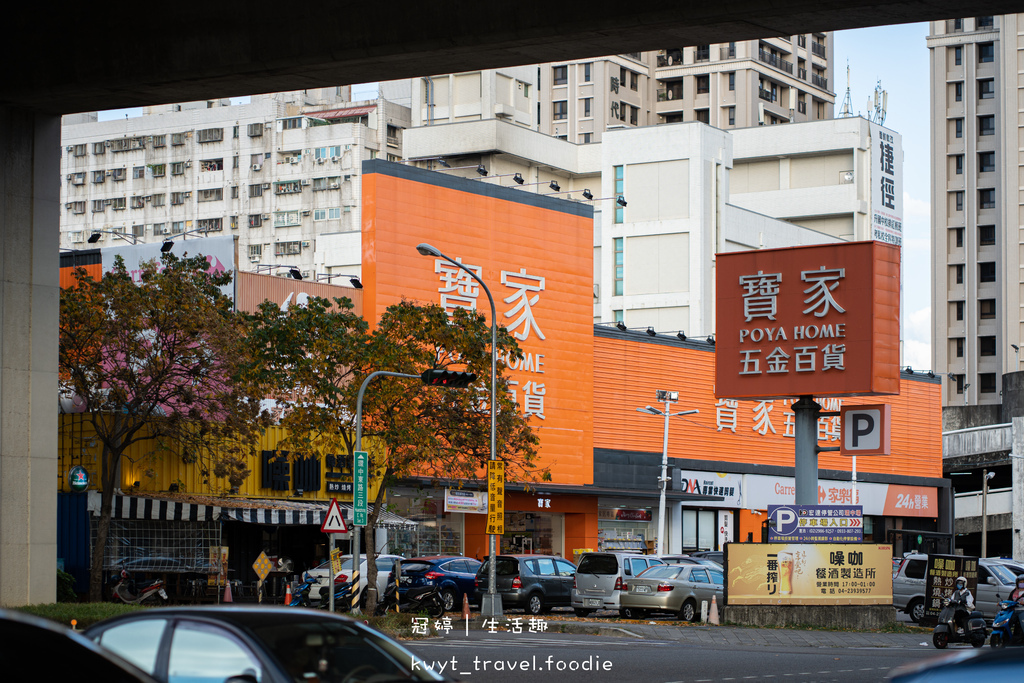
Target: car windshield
(336, 651)
(662, 571)
(598, 564)
(1002, 573)
(413, 567)
(506, 566)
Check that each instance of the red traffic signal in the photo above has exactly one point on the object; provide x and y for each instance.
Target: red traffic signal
(448, 378)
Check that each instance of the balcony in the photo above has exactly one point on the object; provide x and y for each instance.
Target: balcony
(819, 81)
(801, 73)
(728, 52)
(702, 54)
(818, 49)
(672, 92)
(766, 95)
(775, 60)
(671, 58)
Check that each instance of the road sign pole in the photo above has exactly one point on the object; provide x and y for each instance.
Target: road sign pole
(330, 582)
(806, 436)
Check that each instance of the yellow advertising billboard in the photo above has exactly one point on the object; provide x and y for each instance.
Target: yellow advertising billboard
(808, 574)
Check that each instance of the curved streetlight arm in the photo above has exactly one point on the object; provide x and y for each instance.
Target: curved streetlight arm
(492, 577)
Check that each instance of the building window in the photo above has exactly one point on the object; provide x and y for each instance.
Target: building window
(78, 150)
(619, 185)
(959, 384)
(959, 164)
(987, 199)
(159, 170)
(986, 162)
(987, 309)
(160, 140)
(256, 190)
(958, 200)
(984, 22)
(177, 227)
(732, 80)
(119, 203)
(561, 110)
(958, 273)
(958, 237)
(559, 75)
(958, 92)
(958, 127)
(292, 123)
(288, 187)
(283, 219)
(78, 178)
(987, 346)
(210, 224)
(702, 115)
(99, 148)
(987, 271)
(703, 84)
(177, 139)
(211, 165)
(588, 102)
(958, 56)
(177, 167)
(255, 250)
(958, 344)
(987, 382)
(255, 221)
(986, 53)
(178, 198)
(210, 135)
(138, 172)
(138, 202)
(586, 72)
(586, 138)
(986, 89)
(958, 310)
(99, 176)
(287, 248)
(986, 235)
(158, 229)
(157, 199)
(732, 115)
(334, 151)
(618, 266)
(212, 195)
(119, 174)
(255, 130)
(634, 80)
(77, 207)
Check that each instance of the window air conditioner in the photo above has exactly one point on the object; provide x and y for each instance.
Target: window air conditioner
(165, 231)
(254, 259)
(320, 160)
(335, 159)
(68, 205)
(305, 245)
(266, 216)
(333, 186)
(304, 183)
(257, 167)
(188, 164)
(305, 212)
(293, 160)
(266, 186)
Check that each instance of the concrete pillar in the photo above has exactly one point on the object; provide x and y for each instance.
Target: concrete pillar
(29, 308)
(1017, 488)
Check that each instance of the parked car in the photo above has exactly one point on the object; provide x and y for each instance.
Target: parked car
(455, 576)
(26, 641)
(995, 583)
(716, 556)
(691, 559)
(675, 588)
(266, 644)
(323, 570)
(535, 583)
(601, 577)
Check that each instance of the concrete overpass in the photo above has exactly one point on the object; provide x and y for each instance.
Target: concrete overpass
(120, 54)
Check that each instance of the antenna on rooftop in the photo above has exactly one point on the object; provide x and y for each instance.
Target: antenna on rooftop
(877, 104)
(846, 111)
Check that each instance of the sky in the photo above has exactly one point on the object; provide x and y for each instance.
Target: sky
(898, 56)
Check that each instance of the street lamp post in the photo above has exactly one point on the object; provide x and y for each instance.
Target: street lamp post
(985, 477)
(490, 603)
(669, 397)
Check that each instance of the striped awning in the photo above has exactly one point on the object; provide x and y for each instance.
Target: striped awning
(272, 512)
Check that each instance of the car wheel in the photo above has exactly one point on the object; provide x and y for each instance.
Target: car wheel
(688, 612)
(582, 612)
(632, 613)
(940, 640)
(916, 610)
(535, 604)
(448, 596)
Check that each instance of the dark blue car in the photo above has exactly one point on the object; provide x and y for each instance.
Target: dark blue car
(455, 576)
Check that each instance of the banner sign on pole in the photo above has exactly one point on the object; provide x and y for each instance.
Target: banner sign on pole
(458, 500)
(359, 496)
(495, 497)
(815, 524)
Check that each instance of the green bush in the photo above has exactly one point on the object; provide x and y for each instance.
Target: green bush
(85, 613)
(66, 587)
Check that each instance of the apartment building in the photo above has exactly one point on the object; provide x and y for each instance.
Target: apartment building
(976, 211)
(729, 85)
(279, 172)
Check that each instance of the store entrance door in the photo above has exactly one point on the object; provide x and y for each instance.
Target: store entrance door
(529, 533)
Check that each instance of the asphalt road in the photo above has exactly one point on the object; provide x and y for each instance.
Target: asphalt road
(568, 658)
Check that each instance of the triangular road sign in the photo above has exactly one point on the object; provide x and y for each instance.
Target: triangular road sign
(334, 523)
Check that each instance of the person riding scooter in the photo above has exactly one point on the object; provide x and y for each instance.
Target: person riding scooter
(962, 595)
(1018, 596)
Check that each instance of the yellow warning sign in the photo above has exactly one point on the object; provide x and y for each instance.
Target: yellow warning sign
(262, 566)
(495, 497)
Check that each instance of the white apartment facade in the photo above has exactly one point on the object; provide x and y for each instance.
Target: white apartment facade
(977, 210)
(279, 173)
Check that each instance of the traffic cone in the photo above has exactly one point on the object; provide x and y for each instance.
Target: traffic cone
(227, 592)
(465, 606)
(288, 594)
(713, 616)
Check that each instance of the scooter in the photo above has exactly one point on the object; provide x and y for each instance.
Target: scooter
(950, 628)
(126, 590)
(420, 599)
(1005, 629)
(300, 596)
(342, 597)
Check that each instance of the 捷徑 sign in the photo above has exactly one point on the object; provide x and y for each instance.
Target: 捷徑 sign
(804, 574)
(886, 185)
(815, 524)
(495, 497)
(360, 480)
(940, 581)
(866, 430)
(808, 321)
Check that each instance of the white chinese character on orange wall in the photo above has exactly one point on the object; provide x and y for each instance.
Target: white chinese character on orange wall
(789, 427)
(823, 282)
(458, 289)
(533, 397)
(760, 296)
(725, 414)
(512, 384)
(522, 283)
(762, 417)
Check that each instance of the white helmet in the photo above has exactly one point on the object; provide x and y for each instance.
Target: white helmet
(961, 583)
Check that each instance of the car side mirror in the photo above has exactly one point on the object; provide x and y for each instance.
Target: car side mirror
(992, 581)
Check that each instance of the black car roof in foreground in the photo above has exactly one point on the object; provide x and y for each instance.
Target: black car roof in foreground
(248, 616)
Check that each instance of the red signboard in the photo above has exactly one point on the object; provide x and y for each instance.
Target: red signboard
(808, 321)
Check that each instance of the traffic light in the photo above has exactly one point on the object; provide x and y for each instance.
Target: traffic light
(448, 378)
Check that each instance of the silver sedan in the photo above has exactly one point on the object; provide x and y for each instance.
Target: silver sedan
(676, 588)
